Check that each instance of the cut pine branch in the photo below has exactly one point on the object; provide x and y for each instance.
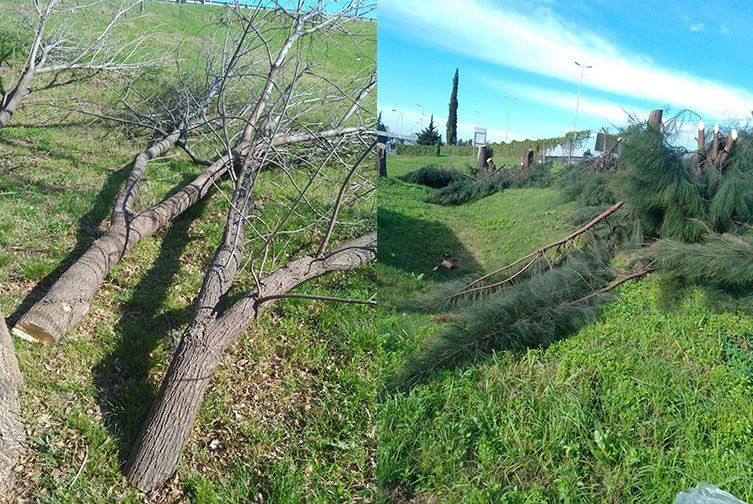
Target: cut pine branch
(530, 259)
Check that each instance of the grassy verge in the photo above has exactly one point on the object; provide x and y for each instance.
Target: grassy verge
(635, 408)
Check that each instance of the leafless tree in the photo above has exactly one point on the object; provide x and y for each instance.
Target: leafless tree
(57, 43)
(275, 107)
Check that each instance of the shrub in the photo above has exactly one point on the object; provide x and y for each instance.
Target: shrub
(433, 176)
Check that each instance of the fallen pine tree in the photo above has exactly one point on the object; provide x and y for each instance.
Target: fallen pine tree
(677, 203)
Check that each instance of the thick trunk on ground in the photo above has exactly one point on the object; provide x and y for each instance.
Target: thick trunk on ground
(68, 300)
(168, 425)
(15, 97)
(12, 432)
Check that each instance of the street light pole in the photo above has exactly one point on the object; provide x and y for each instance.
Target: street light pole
(423, 114)
(401, 123)
(577, 102)
(510, 99)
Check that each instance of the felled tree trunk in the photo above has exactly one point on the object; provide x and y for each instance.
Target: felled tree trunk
(68, 300)
(12, 432)
(14, 99)
(173, 413)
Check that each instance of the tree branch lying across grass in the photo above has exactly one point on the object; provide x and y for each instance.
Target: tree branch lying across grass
(58, 44)
(69, 299)
(535, 312)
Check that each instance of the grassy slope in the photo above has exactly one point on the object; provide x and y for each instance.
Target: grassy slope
(293, 402)
(634, 408)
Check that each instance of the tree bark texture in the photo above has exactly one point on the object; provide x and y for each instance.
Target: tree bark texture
(14, 99)
(381, 159)
(68, 300)
(167, 426)
(12, 433)
(654, 118)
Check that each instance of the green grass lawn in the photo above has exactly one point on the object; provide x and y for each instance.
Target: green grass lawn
(634, 408)
(290, 414)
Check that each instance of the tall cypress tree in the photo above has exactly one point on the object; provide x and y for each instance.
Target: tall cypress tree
(452, 117)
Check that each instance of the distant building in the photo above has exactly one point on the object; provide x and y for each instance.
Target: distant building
(396, 138)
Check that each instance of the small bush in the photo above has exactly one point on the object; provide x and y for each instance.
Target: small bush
(433, 176)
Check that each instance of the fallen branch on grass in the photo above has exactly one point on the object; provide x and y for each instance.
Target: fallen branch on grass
(532, 258)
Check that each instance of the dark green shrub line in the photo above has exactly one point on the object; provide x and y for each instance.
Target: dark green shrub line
(433, 176)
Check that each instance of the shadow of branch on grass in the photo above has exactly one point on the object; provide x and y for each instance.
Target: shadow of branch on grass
(124, 390)
(413, 248)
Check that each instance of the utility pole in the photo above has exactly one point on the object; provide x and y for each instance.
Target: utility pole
(577, 102)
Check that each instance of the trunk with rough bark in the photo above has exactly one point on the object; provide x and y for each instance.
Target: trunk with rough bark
(170, 421)
(381, 157)
(68, 300)
(12, 433)
(15, 97)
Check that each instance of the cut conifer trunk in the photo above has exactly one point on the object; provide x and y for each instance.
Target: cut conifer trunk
(12, 434)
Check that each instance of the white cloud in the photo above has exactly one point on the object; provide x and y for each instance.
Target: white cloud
(696, 27)
(600, 109)
(540, 43)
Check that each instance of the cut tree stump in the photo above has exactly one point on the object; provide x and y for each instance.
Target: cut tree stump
(654, 118)
(12, 434)
(381, 157)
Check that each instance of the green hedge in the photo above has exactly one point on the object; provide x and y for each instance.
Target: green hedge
(458, 150)
(418, 150)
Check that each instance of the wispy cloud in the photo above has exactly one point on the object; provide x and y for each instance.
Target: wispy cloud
(696, 27)
(541, 43)
(601, 109)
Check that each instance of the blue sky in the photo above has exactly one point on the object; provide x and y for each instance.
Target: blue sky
(645, 55)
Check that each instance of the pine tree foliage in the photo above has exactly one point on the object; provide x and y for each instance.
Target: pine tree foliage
(660, 189)
(467, 190)
(588, 188)
(429, 135)
(452, 116)
(433, 176)
(536, 312)
(723, 261)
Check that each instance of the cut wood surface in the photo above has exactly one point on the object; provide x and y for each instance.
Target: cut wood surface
(12, 432)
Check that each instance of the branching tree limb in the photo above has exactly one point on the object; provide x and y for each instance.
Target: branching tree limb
(61, 46)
